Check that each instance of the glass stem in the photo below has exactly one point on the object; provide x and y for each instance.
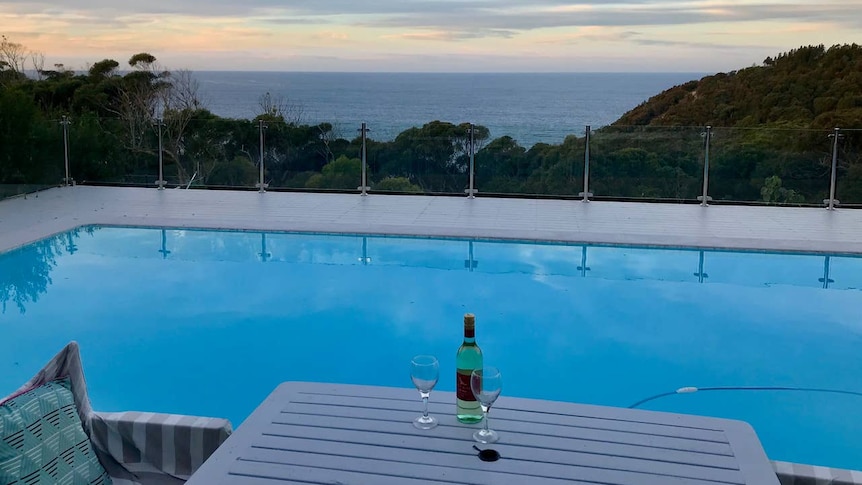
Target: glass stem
(425, 402)
(485, 416)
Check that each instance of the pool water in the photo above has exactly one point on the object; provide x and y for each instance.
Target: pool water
(208, 323)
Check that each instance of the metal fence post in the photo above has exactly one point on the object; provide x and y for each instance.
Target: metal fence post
(831, 202)
(707, 136)
(161, 181)
(65, 122)
(261, 185)
(586, 194)
(363, 182)
(471, 190)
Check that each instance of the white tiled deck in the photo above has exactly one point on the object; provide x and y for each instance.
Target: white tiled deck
(23, 220)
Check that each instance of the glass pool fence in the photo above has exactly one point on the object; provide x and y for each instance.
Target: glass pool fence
(770, 166)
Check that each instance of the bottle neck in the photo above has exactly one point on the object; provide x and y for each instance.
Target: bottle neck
(469, 335)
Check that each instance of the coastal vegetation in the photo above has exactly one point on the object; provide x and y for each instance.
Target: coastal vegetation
(768, 134)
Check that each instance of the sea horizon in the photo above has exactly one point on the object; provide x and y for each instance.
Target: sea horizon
(529, 107)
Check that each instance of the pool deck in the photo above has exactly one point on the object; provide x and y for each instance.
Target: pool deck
(26, 219)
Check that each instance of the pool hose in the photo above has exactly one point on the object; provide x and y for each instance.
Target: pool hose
(690, 390)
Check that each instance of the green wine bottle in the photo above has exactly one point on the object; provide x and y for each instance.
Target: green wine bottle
(469, 357)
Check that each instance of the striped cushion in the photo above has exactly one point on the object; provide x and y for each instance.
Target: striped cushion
(42, 440)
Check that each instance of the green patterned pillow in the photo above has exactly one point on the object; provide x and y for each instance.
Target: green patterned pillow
(42, 441)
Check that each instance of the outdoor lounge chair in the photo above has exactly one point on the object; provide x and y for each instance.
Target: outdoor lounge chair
(134, 448)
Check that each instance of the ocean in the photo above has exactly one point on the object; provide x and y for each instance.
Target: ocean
(529, 107)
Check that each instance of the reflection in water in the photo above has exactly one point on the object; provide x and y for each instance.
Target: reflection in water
(164, 250)
(25, 273)
(700, 273)
(364, 259)
(583, 268)
(825, 279)
(264, 254)
(470, 263)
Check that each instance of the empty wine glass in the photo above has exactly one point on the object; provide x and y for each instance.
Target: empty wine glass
(424, 371)
(486, 384)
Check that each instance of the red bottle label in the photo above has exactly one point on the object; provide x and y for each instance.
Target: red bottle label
(464, 391)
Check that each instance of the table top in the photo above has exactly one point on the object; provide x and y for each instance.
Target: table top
(345, 434)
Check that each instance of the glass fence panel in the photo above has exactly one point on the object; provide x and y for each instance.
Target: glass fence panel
(849, 180)
(647, 162)
(113, 150)
(432, 159)
(310, 157)
(769, 165)
(202, 151)
(31, 153)
(536, 166)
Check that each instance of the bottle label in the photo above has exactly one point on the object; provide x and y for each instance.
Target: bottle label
(464, 391)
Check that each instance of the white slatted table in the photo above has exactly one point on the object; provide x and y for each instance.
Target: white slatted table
(343, 434)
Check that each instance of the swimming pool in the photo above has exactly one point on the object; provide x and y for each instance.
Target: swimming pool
(209, 323)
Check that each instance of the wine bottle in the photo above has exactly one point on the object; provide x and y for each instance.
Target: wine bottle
(469, 357)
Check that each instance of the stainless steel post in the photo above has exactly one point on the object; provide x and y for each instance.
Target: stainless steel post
(471, 190)
(65, 122)
(161, 181)
(705, 198)
(262, 185)
(363, 183)
(831, 202)
(586, 194)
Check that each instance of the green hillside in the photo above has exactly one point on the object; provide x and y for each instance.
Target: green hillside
(809, 87)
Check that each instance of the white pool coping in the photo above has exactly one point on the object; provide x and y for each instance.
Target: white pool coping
(27, 219)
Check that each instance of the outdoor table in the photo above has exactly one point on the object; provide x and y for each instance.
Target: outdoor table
(347, 434)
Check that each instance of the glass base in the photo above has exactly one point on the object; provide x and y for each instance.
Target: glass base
(425, 422)
(483, 436)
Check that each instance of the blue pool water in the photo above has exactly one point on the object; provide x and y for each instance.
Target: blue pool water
(209, 323)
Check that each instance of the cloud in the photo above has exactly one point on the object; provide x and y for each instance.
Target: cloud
(602, 35)
(603, 14)
(530, 30)
(293, 20)
(451, 35)
(493, 14)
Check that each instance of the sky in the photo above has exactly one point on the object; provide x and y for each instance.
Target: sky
(430, 35)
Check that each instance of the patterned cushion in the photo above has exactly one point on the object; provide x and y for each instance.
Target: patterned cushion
(42, 440)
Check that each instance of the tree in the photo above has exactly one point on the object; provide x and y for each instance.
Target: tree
(12, 58)
(103, 69)
(396, 184)
(238, 172)
(773, 193)
(342, 173)
(12, 55)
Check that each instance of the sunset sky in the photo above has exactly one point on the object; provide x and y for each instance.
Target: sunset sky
(430, 35)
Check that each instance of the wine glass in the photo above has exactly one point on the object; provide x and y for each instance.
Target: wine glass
(486, 384)
(424, 371)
